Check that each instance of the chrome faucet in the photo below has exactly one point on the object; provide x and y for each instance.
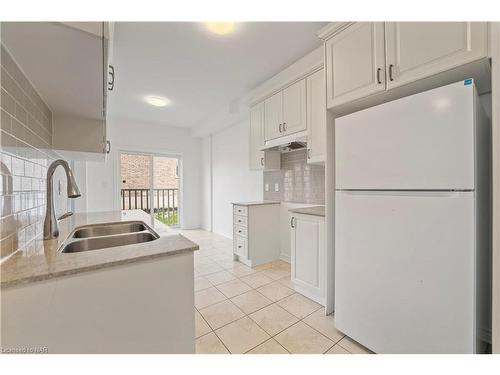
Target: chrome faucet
(50, 228)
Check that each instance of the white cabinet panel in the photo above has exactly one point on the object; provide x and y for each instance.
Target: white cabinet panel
(308, 256)
(424, 248)
(273, 116)
(294, 108)
(424, 141)
(316, 117)
(420, 49)
(257, 137)
(240, 210)
(256, 234)
(306, 252)
(241, 246)
(240, 220)
(355, 60)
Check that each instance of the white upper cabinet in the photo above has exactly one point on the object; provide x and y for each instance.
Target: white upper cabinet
(69, 62)
(285, 111)
(355, 61)
(316, 117)
(257, 136)
(367, 58)
(417, 50)
(273, 107)
(294, 108)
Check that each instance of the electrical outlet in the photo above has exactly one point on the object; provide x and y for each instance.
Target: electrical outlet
(276, 187)
(266, 187)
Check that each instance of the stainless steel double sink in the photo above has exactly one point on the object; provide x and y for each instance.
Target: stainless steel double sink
(105, 235)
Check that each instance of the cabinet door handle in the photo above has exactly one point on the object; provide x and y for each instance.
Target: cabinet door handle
(284, 126)
(262, 161)
(379, 80)
(391, 68)
(292, 222)
(309, 153)
(280, 128)
(111, 84)
(108, 147)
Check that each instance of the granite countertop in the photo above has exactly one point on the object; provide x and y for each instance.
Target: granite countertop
(46, 262)
(314, 210)
(255, 203)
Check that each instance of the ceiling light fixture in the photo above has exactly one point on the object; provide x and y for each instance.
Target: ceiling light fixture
(157, 101)
(221, 28)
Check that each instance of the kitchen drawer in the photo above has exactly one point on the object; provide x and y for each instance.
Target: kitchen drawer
(240, 210)
(241, 246)
(240, 220)
(240, 231)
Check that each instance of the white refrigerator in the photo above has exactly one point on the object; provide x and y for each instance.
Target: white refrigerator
(412, 223)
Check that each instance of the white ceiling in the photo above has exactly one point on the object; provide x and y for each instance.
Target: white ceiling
(201, 73)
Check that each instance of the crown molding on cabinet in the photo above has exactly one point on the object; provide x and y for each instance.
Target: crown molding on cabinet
(332, 28)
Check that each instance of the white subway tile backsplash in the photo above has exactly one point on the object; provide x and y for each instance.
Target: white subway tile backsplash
(26, 142)
(300, 182)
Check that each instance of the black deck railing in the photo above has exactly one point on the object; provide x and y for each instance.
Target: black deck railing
(164, 202)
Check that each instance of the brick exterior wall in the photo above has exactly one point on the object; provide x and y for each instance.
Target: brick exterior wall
(135, 172)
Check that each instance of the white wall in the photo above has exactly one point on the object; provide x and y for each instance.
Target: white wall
(206, 183)
(232, 180)
(103, 180)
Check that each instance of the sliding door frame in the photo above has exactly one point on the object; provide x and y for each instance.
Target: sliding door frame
(151, 155)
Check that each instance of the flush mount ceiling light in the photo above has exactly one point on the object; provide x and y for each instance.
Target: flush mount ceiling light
(157, 101)
(220, 28)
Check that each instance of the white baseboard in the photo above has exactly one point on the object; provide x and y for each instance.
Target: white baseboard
(285, 258)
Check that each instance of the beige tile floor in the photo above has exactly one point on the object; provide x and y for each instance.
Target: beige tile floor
(256, 311)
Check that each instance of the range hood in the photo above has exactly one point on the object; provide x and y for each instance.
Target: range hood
(291, 146)
(288, 143)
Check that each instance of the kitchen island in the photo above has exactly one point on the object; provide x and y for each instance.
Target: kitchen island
(136, 298)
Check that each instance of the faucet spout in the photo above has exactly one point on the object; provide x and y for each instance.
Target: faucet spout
(50, 228)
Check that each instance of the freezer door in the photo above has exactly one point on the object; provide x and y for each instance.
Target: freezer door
(424, 141)
(404, 270)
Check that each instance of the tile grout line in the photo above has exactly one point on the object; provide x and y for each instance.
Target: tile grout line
(273, 302)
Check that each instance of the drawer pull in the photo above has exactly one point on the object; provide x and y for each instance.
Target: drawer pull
(379, 81)
(391, 67)
(239, 231)
(239, 246)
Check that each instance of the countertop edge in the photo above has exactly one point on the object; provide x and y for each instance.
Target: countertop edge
(313, 211)
(48, 276)
(255, 203)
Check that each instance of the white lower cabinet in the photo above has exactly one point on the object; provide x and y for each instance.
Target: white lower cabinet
(308, 256)
(256, 237)
(144, 307)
